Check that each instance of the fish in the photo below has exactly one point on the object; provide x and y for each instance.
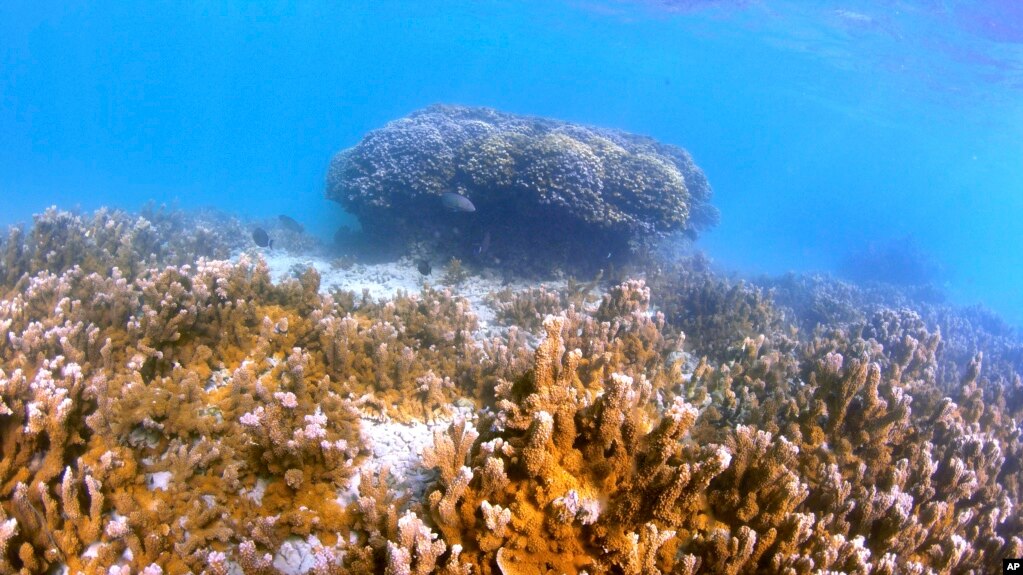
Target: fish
(424, 267)
(262, 238)
(455, 202)
(484, 245)
(289, 223)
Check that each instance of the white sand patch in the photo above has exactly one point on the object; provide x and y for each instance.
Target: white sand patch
(385, 280)
(380, 280)
(257, 491)
(159, 480)
(296, 556)
(398, 447)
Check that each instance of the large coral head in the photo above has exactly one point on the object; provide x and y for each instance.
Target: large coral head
(542, 190)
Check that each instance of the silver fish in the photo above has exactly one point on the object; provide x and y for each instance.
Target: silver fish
(454, 202)
(484, 245)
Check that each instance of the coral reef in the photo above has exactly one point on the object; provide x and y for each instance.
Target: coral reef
(59, 240)
(198, 417)
(815, 301)
(786, 462)
(548, 194)
(204, 399)
(527, 308)
(716, 314)
(177, 405)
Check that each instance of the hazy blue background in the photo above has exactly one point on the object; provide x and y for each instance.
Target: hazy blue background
(821, 125)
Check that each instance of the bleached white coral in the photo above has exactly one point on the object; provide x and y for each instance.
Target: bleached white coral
(496, 518)
(572, 506)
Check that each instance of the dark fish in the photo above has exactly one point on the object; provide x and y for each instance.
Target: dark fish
(424, 267)
(290, 224)
(262, 238)
(456, 202)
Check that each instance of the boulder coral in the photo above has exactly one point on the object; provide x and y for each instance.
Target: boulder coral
(541, 187)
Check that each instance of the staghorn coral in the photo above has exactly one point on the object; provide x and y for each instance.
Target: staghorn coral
(571, 193)
(156, 427)
(455, 273)
(556, 477)
(201, 418)
(858, 463)
(527, 309)
(205, 393)
(109, 239)
(828, 466)
(399, 347)
(823, 301)
(716, 314)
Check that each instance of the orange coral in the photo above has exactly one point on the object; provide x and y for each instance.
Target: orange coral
(200, 417)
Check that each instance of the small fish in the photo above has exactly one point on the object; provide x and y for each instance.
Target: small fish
(484, 245)
(289, 223)
(262, 238)
(454, 202)
(424, 267)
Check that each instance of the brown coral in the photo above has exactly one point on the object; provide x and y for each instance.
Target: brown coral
(201, 417)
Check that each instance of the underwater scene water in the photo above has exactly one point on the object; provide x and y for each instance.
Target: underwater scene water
(578, 286)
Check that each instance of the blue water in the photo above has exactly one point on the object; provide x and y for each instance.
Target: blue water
(823, 126)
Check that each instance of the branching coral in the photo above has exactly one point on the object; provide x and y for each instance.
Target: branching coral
(561, 476)
(180, 408)
(827, 466)
(853, 459)
(527, 309)
(716, 315)
(59, 240)
(199, 417)
(188, 403)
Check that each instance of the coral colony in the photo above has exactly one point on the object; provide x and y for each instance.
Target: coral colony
(576, 194)
(169, 405)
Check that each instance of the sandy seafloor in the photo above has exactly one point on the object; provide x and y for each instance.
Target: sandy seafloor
(393, 444)
(385, 280)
